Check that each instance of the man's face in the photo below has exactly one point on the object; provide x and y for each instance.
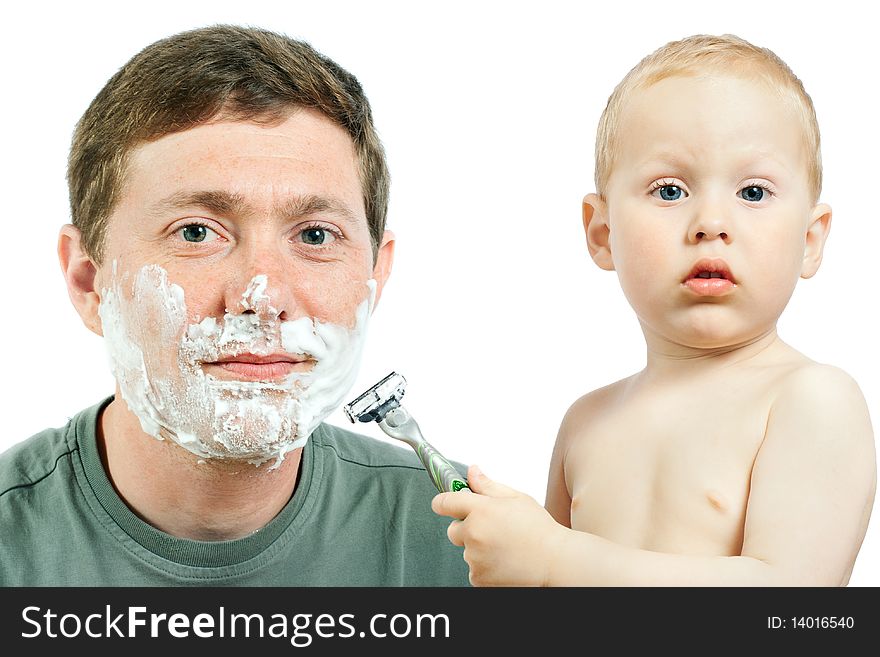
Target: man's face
(237, 281)
(708, 207)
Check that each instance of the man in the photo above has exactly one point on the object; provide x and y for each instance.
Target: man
(228, 194)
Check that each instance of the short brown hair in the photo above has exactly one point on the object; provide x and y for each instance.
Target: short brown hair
(727, 55)
(239, 73)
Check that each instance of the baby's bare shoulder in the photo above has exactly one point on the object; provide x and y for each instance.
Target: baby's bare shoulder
(817, 403)
(591, 408)
(812, 382)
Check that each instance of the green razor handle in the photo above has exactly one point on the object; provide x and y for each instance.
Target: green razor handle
(399, 424)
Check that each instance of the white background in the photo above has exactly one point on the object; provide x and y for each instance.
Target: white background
(494, 313)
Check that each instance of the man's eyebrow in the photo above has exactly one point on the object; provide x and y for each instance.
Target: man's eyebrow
(219, 202)
(303, 206)
(232, 204)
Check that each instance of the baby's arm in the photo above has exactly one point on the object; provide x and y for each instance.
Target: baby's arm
(558, 500)
(813, 481)
(812, 489)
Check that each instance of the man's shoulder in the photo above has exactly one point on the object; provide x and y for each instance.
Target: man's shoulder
(35, 458)
(362, 450)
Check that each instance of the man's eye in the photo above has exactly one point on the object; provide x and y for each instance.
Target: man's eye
(317, 236)
(670, 192)
(197, 233)
(753, 193)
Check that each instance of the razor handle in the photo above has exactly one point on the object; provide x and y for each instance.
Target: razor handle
(442, 472)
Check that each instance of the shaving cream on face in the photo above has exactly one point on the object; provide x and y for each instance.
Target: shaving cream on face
(157, 357)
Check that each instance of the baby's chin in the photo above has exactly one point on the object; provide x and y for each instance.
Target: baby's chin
(718, 341)
(707, 334)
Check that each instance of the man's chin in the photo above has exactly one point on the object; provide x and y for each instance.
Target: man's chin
(245, 431)
(234, 458)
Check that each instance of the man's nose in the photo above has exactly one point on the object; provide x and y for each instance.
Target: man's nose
(261, 285)
(710, 222)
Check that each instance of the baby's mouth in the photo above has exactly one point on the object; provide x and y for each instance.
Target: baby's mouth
(710, 277)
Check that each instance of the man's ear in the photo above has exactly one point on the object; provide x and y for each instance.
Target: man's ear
(384, 260)
(79, 272)
(817, 233)
(598, 231)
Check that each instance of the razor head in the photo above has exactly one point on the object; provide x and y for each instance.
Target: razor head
(378, 400)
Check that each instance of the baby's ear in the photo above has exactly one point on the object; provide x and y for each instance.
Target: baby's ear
(598, 231)
(817, 233)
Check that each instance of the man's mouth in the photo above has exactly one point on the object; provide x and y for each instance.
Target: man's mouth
(710, 277)
(251, 367)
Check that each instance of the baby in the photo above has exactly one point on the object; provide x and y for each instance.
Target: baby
(731, 459)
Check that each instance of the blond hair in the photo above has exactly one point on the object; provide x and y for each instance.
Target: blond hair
(727, 54)
(236, 73)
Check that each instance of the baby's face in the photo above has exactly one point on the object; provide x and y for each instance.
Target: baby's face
(708, 207)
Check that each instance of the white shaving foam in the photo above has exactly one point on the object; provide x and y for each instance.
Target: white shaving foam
(157, 357)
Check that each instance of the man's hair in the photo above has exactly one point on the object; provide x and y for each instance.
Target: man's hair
(701, 54)
(222, 71)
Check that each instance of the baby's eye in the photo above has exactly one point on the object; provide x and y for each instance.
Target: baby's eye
(317, 236)
(670, 192)
(197, 233)
(752, 193)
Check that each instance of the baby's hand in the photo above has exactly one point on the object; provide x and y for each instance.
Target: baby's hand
(509, 539)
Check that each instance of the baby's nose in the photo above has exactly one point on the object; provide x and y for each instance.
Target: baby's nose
(708, 226)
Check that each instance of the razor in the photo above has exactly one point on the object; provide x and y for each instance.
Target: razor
(381, 404)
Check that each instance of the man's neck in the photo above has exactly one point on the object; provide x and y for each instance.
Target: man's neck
(183, 495)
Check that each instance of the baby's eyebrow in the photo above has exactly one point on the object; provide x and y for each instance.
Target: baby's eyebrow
(761, 156)
(664, 158)
(677, 161)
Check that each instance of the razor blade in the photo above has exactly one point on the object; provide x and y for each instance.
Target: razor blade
(375, 403)
(381, 404)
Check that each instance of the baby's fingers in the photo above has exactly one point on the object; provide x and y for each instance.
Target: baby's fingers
(454, 533)
(480, 483)
(453, 505)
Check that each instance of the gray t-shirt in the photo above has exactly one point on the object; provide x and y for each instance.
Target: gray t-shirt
(360, 516)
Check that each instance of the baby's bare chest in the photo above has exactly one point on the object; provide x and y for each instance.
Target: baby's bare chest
(669, 474)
